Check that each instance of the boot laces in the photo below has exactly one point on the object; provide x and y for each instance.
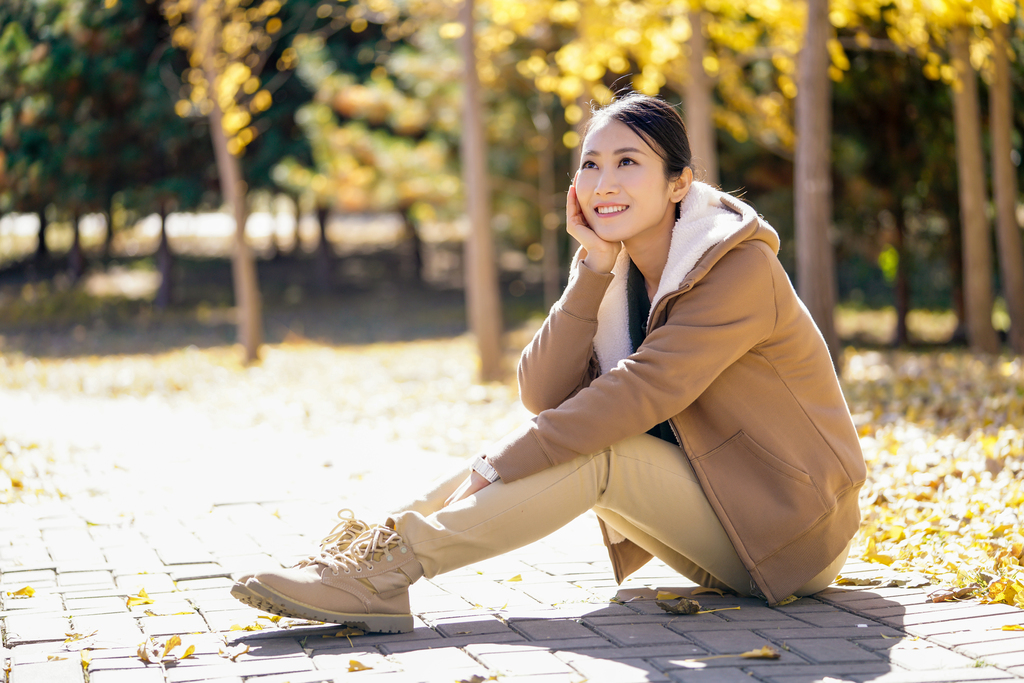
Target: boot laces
(379, 544)
(341, 536)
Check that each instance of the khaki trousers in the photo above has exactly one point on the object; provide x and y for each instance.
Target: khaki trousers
(642, 487)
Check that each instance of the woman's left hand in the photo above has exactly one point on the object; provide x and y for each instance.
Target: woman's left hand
(473, 483)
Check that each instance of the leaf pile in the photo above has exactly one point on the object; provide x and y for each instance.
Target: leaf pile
(943, 437)
(420, 390)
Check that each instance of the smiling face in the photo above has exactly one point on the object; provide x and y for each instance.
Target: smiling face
(621, 186)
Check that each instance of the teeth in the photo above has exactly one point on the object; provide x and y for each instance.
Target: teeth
(610, 209)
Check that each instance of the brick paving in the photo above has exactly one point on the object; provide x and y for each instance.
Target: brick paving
(551, 612)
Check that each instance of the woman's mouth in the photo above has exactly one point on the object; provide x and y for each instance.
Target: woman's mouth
(611, 209)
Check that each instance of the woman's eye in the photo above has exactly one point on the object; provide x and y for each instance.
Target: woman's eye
(588, 164)
(627, 162)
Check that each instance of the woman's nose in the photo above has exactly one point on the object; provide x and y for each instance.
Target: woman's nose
(606, 183)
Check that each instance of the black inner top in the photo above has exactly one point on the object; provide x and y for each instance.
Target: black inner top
(639, 305)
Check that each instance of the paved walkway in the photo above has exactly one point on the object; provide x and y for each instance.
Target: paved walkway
(144, 551)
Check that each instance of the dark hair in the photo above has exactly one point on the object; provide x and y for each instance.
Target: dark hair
(656, 122)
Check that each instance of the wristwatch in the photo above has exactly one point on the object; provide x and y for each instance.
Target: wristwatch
(484, 469)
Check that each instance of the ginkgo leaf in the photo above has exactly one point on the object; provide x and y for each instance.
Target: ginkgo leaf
(855, 581)
(356, 665)
(86, 659)
(172, 642)
(517, 577)
(26, 592)
(189, 651)
(953, 594)
(55, 658)
(141, 599)
(668, 595)
(765, 652)
(274, 618)
(787, 601)
(1012, 627)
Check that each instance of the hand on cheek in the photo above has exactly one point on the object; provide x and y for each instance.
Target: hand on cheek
(600, 255)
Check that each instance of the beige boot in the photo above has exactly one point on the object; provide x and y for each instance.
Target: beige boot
(365, 586)
(341, 537)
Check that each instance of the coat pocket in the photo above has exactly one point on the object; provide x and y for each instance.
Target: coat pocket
(766, 501)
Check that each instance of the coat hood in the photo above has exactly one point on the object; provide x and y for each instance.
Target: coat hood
(710, 224)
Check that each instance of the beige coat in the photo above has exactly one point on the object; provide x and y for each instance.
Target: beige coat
(733, 360)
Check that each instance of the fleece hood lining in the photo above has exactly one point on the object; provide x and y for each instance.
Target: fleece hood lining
(704, 221)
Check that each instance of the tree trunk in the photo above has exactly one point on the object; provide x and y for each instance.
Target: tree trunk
(902, 285)
(482, 301)
(324, 256)
(700, 125)
(977, 245)
(164, 264)
(294, 246)
(955, 257)
(815, 260)
(76, 259)
(412, 252)
(1011, 252)
(233, 189)
(42, 251)
(549, 219)
(108, 238)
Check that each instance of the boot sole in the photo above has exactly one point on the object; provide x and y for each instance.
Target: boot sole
(267, 599)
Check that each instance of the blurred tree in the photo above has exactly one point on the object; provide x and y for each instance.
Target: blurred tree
(977, 235)
(29, 159)
(483, 302)
(1011, 251)
(815, 260)
(102, 123)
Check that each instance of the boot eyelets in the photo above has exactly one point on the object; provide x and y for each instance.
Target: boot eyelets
(390, 557)
(404, 549)
(369, 567)
(334, 571)
(359, 569)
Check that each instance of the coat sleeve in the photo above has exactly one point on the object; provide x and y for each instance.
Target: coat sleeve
(556, 362)
(727, 313)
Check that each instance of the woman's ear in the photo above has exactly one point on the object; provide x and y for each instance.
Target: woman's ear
(681, 185)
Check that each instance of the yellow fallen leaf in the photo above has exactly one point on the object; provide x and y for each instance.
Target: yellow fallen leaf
(667, 595)
(872, 554)
(1012, 627)
(55, 658)
(851, 581)
(86, 659)
(517, 577)
(765, 652)
(172, 642)
(345, 632)
(786, 601)
(701, 590)
(249, 627)
(72, 637)
(274, 618)
(356, 665)
(26, 592)
(189, 651)
(141, 599)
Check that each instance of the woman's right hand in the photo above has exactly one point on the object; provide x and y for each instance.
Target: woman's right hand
(599, 255)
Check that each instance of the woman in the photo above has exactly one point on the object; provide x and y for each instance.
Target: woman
(681, 391)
